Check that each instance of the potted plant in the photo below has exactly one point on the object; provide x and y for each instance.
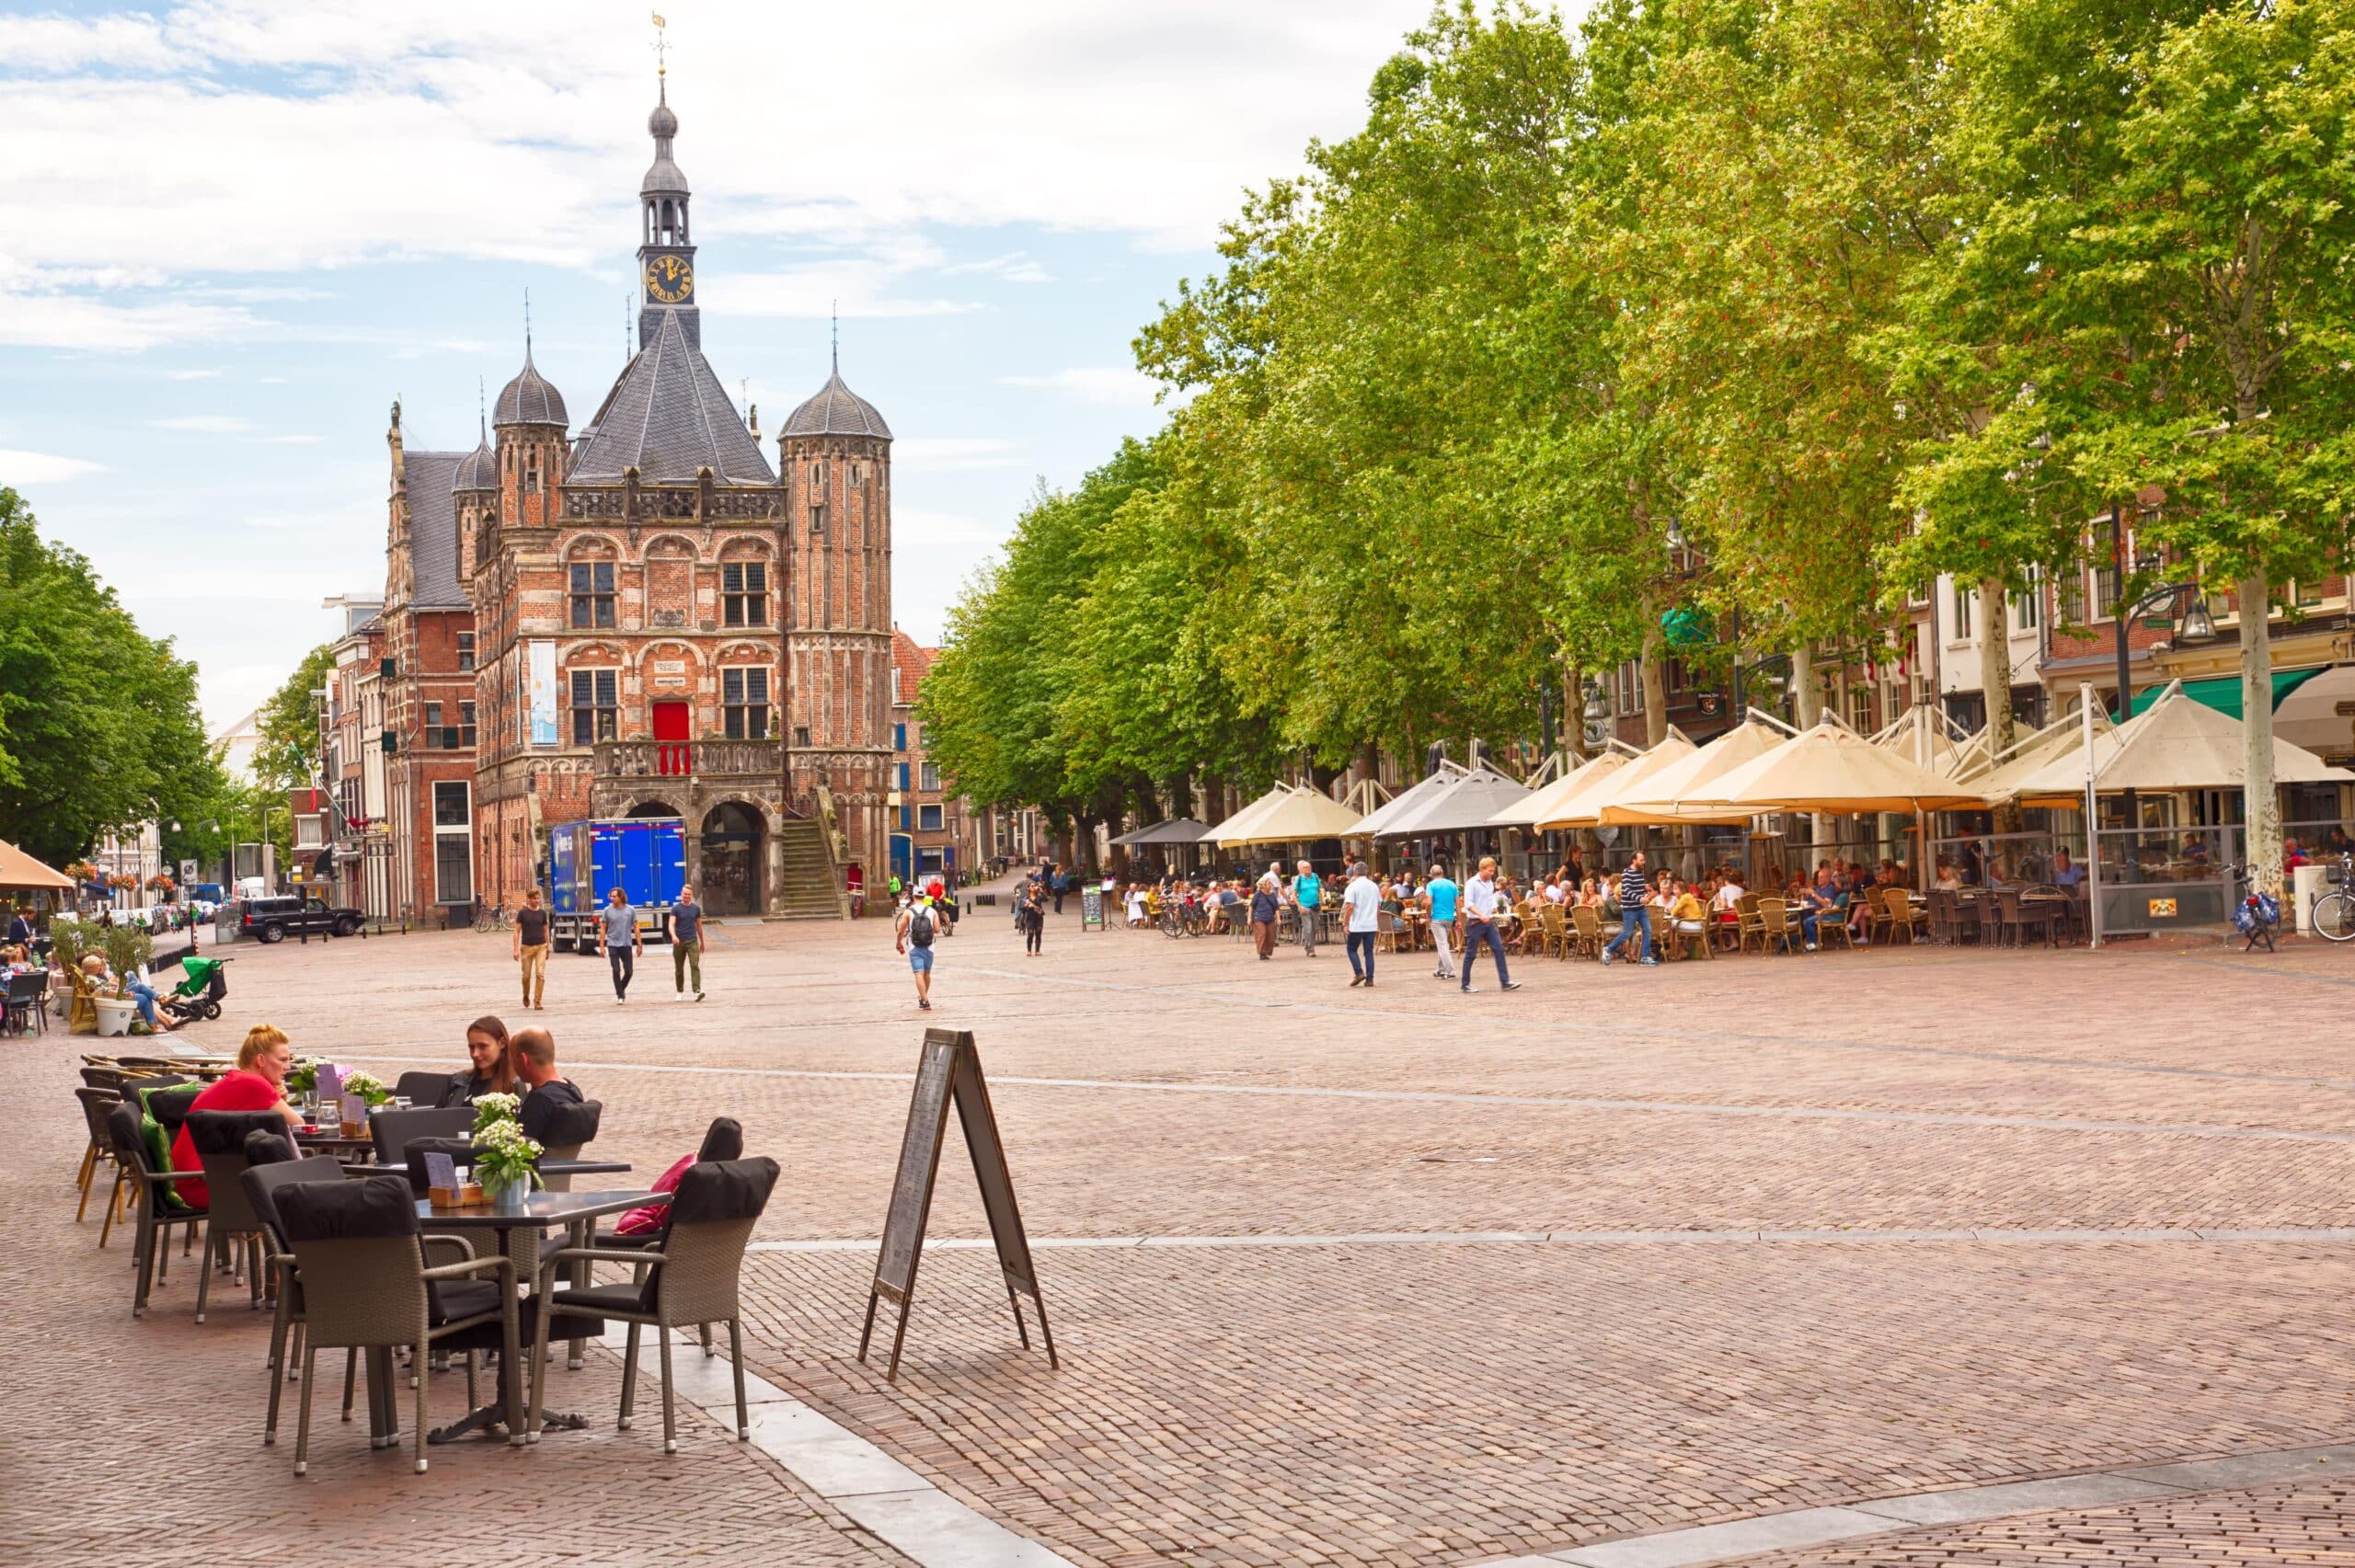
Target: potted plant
(368, 1086)
(492, 1108)
(83, 871)
(128, 950)
(506, 1163)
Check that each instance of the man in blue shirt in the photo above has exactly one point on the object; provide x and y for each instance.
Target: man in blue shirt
(624, 946)
(1442, 894)
(1307, 892)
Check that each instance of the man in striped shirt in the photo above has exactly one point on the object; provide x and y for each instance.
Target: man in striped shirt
(1633, 914)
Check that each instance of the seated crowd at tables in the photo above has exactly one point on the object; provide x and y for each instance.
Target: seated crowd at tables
(1841, 891)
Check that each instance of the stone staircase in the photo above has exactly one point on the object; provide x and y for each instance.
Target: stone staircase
(810, 889)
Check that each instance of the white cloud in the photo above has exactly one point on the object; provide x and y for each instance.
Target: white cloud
(192, 375)
(43, 468)
(946, 453)
(207, 425)
(1114, 385)
(1018, 267)
(77, 321)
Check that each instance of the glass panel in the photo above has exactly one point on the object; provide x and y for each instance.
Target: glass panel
(450, 805)
(453, 881)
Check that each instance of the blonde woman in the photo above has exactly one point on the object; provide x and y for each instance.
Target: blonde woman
(258, 1084)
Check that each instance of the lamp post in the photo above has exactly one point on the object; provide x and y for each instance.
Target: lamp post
(2199, 626)
(1593, 714)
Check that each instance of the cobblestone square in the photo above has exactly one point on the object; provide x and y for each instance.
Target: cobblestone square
(1397, 1277)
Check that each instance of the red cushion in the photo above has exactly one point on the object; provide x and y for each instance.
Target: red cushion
(648, 1217)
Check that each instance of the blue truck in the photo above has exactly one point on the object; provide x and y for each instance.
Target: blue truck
(646, 857)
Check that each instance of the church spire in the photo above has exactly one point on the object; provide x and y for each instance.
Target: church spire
(666, 253)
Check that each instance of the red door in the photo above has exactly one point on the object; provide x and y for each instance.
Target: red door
(673, 757)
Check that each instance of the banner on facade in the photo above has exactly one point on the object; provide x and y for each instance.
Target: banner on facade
(539, 712)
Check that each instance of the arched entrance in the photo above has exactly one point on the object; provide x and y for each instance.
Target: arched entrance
(653, 808)
(733, 849)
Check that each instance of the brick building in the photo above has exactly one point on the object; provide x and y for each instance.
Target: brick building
(643, 617)
(933, 829)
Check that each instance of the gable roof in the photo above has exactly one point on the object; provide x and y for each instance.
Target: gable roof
(668, 416)
(911, 662)
(433, 529)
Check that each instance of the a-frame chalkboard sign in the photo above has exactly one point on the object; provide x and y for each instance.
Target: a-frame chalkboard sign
(950, 1069)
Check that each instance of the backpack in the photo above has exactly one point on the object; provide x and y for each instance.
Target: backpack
(920, 927)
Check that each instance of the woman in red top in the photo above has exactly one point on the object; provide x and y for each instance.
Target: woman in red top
(259, 1084)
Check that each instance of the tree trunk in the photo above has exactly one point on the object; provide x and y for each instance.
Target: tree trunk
(1807, 694)
(2261, 805)
(1655, 677)
(1996, 684)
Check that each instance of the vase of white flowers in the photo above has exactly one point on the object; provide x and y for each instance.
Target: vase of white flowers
(489, 1108)
(506, 1163)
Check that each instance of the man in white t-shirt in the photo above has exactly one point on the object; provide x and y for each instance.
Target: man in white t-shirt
(1361, 904)
(1483, 902)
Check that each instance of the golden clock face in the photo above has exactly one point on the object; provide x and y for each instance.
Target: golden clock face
(669, 280)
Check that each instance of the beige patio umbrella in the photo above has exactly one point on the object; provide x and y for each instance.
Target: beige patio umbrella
(20, 870)
(1659, 797)
(1412, 798)
(2025, 756)
(1832, 769)
(1543, 800)
(1584, 810)
(1299, 815)
(1921, 734)
(1241, 822)
(2177, 743)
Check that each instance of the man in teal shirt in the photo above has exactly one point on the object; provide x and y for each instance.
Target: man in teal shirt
(1441, 893)
(1307, 892)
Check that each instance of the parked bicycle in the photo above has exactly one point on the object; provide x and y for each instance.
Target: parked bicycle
(2256, 914)
(495, 919)
(2334, 912)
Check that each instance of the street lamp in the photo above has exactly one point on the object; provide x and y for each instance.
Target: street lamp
(1593, 713)
(1675, 534)
(2199, 626)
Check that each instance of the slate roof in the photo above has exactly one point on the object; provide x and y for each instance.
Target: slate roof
(836, 410)
(433, 528)
(529, 399)
(667, 417)
(477, 471)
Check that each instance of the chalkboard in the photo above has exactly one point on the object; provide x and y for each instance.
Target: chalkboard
(951, 1071)
(1091, 908)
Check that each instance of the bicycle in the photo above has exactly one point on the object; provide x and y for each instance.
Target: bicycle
(2256, 915)
(492, 920)
(2334, 912)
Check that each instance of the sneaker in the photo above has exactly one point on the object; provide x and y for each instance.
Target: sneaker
(1810, 947)
(1512, 984)
(698, 996)
(923, 1003)
(1468, 990)
(1609, 959)
(1651, 963)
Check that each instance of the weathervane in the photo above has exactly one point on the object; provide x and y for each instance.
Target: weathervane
(662, 65)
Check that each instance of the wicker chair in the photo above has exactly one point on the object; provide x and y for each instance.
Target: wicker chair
(1775, 925)
(366, 1286)
(1556, 929)
(391, 1131)
(219, 1138)
(570, 1129)
(94, 1104)
(689, 1277)
(264, 1177)
(1749, 925)
(724, 1140)
(152, 1247)
(421, 1090)
(1832, 925)
(1586, 930)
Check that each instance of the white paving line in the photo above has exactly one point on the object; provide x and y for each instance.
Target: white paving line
(1595, 1238)
(1442, 1097)
(885, 1498)
(1733, 1539)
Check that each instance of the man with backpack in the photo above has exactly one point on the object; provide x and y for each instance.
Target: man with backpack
(912, 934)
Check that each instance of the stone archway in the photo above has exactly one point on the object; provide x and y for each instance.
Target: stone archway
(735, 858)
(653, 808)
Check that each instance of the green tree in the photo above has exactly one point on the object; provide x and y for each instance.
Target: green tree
(99, 727)
(288, 757)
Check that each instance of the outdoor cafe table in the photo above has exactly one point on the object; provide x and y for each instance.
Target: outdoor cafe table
(546, 1168)
(538, 1213)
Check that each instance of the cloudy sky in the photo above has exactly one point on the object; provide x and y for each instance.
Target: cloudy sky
(231, 232)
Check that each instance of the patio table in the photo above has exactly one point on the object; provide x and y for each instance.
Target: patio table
(535, 1214)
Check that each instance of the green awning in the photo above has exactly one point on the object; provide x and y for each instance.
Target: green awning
(2223, 694)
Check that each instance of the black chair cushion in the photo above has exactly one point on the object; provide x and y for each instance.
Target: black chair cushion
(560, 1124)
(621, 1297)
(264, 1182)
(394, 1130)
(645, 1240)
(723, 1190)
(224, 1132)
(461, 1152)
(369, 1207)
(270, 1146)
(170, 1107)
(724, 1140)
(452, 1299)
(421, 1090)
(562, 1326)
(122, 1126)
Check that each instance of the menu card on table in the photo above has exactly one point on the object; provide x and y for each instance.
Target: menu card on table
(330, 1082)
(355, 1110)
(441, 1172)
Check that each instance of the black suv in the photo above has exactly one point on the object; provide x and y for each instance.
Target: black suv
(274, 918)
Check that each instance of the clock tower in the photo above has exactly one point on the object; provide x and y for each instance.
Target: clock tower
(666, 261)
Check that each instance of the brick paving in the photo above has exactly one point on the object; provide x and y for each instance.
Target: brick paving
(1366, 1404)
(2301, 1524)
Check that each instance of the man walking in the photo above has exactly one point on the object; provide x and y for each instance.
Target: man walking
(1307, 892)
(684, 922)
(1480, 900)
(1443, 893)
(1635, 915)
(1361, 907)
(531, 948)
(624, 946)
(911, 933)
